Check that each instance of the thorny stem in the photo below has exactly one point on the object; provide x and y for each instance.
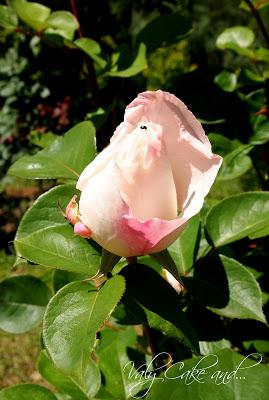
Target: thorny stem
(257, 16)
(146, 329)
(91, 79)
(75, 12)
(148, 337)
(159, 362)
(265, 34)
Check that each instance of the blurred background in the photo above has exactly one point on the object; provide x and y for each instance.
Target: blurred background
(212, 55)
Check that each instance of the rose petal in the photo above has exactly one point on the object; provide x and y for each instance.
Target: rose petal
(105, 156)
(143, 168)
(193, 164)
(94, 167)
(82, 230)
(101, 205)
(150, 236)
(167, 110)
(132, 190)
(197, 172)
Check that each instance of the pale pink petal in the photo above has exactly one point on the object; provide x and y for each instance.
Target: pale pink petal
(144, 174)
(82, 230)
(181, 131)
(132, 190)
(95, 167)
(134, 115)
(105, 156)
(197, 169)
(167, 110)
(146, 237)
(101, 205)
(123, 130)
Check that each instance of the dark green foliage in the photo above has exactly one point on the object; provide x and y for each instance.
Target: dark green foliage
(66, 76)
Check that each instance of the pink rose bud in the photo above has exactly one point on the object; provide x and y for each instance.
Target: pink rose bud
(140, 191)
(82, 230)
(71, 212)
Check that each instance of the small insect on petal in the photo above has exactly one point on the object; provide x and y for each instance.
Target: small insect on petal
(71, 212)
(82, 230)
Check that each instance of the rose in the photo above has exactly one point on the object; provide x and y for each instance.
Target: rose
(140, 191)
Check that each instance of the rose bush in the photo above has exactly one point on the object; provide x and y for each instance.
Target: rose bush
(140, 191)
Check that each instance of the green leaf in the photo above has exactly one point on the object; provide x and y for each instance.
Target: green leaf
(212, 347)
(55, 40)
(58, 247)
(45, 237)
(72, 319)
(237, 217)
(137, 66)
(211, 121)
(63, 23)
(226, 81)
(252, 75)
(259, 233)
(8, 19)
(92, 49)
(164, 30)
(184, 249)
(33, 14)
(98, 117)
(227, 288)
(6, 264)
(65, 383)
(235, 163)
(26, 392)
(221, 144)
(23, 300)
(237, 37)
(262, 346)
(261, 134)
(121, 377)
(225, 375)
(62, 278)
(42, 139)
(262, 54)
(65, 158)
(144, 299)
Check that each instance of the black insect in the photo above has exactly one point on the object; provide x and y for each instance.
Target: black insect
(143, 127)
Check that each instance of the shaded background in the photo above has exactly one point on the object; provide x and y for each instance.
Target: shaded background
(45, 89)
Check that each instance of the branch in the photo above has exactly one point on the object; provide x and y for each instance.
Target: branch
(75, 12)
(259, 21)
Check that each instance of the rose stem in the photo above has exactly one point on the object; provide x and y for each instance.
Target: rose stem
(257, 16)
(131, 260)
(147, 332)
(265, 34)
